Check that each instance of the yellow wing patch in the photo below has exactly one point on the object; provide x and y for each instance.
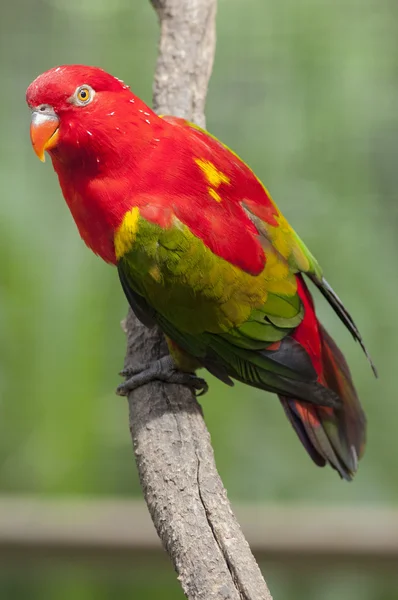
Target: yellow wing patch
(213, 175)
(127, 232)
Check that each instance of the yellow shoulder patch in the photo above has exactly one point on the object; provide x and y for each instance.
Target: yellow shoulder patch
(126, 234)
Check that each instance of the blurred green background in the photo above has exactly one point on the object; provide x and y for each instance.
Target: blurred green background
(306, 93)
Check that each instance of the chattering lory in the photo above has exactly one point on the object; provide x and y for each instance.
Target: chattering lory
(202, 251)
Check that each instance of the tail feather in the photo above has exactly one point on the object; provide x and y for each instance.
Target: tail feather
(320, 431)
(338, 378)
(330, 435)
(305, 438)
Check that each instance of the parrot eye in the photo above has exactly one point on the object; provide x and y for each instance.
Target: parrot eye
(83, 95)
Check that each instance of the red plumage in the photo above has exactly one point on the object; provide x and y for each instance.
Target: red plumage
(162, 155)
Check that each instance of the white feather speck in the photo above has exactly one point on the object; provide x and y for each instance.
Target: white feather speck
(354, 457)
(141, 111)
(147, 121)
(146, 114)
(89, 132)
(132, 101)
(111, 114)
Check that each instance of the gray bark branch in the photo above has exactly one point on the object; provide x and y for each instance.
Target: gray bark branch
(184, 493)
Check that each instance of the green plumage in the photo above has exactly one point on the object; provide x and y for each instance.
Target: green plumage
(200, 292)
(219, 314)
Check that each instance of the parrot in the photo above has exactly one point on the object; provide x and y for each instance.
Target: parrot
(203, 252)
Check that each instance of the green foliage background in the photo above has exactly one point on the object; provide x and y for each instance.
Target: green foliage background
(306, 93)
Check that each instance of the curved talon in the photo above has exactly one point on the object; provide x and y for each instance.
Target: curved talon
(198, 385)
(121, 390)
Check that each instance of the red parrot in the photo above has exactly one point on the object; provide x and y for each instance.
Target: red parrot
(202, 251)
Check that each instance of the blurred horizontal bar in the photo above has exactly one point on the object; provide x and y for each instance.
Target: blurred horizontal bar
(97, 529)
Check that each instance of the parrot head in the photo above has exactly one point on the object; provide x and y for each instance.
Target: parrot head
(81, 112)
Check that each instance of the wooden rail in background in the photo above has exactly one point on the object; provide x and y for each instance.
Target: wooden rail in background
(34, 529)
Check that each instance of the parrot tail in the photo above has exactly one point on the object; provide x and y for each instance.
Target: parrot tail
(330, 435)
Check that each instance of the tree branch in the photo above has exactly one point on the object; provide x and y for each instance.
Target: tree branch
(184, 493)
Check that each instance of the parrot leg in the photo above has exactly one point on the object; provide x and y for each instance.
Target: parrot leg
(163, 369)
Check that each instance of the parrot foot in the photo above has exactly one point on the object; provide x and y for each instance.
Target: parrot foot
(163, 369)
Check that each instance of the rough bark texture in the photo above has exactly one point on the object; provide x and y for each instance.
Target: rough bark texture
(185, 495)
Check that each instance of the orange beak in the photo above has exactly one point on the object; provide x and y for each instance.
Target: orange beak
(43, 132)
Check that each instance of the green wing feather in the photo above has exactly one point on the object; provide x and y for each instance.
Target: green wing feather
(301, 260)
